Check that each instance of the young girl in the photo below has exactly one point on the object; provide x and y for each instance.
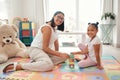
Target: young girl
(93, 48)
(41, 52)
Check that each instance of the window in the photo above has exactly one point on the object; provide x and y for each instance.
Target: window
(77, 15)
(77, 12)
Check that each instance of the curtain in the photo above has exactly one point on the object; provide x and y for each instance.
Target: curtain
(39, 12)
(4, 9)
(106, 6)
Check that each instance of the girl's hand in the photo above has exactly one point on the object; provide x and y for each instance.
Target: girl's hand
(64, 55)
(99, 67)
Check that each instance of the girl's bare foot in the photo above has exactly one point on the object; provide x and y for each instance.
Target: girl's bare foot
(77, 58)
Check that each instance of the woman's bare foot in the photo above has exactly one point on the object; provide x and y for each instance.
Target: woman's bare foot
(8, 68)
(12, 67)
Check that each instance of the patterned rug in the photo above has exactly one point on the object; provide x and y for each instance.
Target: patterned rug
(63, 72)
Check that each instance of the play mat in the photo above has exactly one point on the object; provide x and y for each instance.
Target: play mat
(63, 72)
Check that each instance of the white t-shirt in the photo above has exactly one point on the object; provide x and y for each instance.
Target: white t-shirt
(38, 40)
(90, 44)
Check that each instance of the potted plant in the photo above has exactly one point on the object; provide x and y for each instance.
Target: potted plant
(108, 18)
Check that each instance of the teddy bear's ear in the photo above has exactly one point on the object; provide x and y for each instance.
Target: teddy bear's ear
(14, 27)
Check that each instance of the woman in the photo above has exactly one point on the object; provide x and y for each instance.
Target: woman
(44, 50)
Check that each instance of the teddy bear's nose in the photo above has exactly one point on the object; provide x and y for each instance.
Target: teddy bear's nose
(7, 40)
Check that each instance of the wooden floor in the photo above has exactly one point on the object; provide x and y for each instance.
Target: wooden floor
(109, 50)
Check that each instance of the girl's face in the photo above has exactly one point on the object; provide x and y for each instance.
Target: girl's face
(58, 19)
(92, 31)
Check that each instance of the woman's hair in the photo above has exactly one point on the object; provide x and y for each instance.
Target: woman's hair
(94, 24)
(59, 27)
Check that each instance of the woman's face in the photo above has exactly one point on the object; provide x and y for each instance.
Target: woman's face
(58, 19)
(91, 31)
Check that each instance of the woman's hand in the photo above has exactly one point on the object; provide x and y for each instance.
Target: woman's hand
(64, 55)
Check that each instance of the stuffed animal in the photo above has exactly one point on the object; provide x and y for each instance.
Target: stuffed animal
(10, 45)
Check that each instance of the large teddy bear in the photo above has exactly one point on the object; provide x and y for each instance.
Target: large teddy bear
(10, 45)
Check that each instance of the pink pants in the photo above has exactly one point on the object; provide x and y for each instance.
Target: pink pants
(86, 62)
(81, 46)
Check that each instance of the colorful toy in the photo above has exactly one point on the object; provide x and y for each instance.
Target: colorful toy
(71, 61)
